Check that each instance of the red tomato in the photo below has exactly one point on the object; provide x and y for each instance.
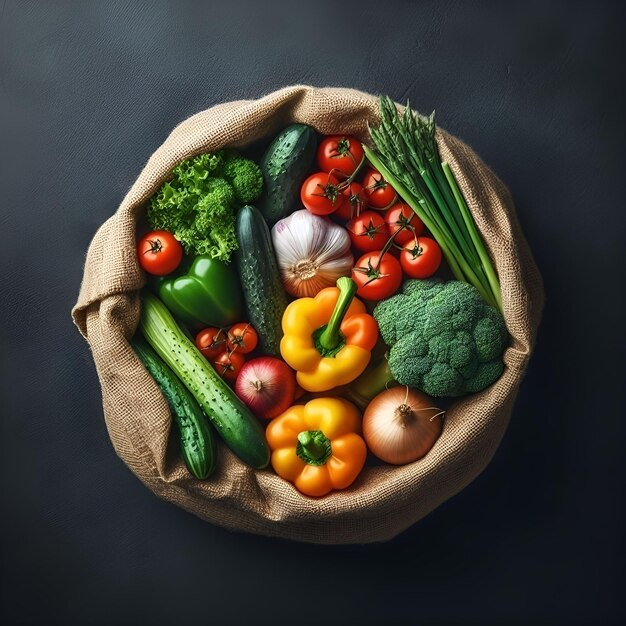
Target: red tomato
(211, 342)
(355, 204)
(242, 337)
(321, 194)
(380, 194)
(159, 253)
(228, 364)
(403, 223)
(377, 279)
(421, 257)
(368, 231)
(339, 152)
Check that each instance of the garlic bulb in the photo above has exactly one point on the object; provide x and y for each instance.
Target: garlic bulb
(312, 253)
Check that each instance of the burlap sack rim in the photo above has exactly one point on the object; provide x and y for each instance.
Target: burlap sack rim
(516, 356)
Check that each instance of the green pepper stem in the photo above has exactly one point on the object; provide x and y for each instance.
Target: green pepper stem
(331, 337)
(313, 447)
(314, 450)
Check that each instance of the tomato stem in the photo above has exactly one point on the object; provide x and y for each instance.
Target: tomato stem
(416, 250)
(371, 271)
(155, 246)
(329, 191)
(343, 150)
(217, 341)
(384, 251)
(346, 183)
(369, 231)
(239, 340)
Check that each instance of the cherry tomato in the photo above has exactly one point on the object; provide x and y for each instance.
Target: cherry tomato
(242, 338)
(211, 342)
(159, 253)
(380, 194)
(228, 364)
(368, 231)
(321, 194)
(404, 225)
(377, 279)
(421, 257)
(356, 202)
(339, 152)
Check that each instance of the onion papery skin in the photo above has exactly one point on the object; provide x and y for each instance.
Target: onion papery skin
(399, 436)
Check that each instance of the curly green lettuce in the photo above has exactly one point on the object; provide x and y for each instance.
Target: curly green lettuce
(198, 204)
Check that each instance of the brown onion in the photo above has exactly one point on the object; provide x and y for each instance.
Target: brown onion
(401, 425)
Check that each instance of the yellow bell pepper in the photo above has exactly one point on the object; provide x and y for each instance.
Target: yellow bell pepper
(316, 447)
(328, 339)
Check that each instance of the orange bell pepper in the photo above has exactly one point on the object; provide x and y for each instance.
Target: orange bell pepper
(328, 339)
(316, 446)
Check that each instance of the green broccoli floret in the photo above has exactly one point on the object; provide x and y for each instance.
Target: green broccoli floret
(198, 204)
(244, 175)
(444, 338)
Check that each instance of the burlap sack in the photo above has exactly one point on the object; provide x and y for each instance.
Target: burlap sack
(384, 500)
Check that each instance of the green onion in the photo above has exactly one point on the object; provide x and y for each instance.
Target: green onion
(406, 154)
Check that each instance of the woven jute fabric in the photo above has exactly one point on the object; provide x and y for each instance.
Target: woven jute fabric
(384, 500)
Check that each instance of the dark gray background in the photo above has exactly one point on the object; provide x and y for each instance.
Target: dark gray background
(90, 89)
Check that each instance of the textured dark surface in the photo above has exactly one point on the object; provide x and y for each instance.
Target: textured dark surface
(89, 90)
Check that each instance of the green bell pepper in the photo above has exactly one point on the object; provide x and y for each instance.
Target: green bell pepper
(205, 293)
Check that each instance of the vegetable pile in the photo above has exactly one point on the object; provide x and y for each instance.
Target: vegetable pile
(406, 152)
(303, 309)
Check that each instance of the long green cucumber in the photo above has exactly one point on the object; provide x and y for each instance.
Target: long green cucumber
(234, 422)
(197, 442)
(262, 287)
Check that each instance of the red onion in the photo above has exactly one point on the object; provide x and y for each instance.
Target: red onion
(267, 386)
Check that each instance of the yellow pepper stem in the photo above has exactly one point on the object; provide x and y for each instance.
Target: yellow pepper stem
(313, 447)
(331, 338)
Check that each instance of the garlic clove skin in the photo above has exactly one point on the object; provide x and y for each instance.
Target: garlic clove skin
(312, 253)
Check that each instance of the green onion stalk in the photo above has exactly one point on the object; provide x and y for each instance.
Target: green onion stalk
(406, 154)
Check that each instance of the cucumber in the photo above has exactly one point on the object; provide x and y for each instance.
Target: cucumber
(262, 287)
(197, 442)
(285, 165)
(232, 419)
